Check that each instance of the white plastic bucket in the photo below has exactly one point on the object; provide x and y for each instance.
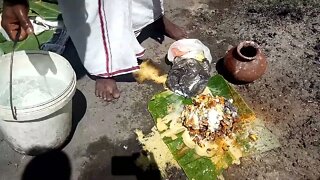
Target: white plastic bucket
(43, 86)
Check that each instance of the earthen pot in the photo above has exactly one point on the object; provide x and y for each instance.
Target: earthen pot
(245, 62)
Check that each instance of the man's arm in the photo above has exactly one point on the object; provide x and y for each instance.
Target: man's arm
(15, 18)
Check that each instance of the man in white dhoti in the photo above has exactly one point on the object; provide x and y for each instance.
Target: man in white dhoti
(103, 32)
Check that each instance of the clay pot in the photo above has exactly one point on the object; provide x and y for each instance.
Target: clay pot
(245, 62)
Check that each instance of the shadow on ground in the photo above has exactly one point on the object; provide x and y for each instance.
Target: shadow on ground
(154, 31)
(222, 71)
(79, 108)
(109, 160)
(50, 166)
(72, 56)
(141, 165)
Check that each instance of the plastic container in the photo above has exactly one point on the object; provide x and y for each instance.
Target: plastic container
(190, 48)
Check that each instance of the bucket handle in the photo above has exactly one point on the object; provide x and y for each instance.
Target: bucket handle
(15, 42)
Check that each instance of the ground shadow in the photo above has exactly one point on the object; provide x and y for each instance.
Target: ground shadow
(79, 108)
(222, 71)
(167, 61)
(71, 54)
(142, 165)
(54, 165)
(125, 78)
(129, 77)
(154, 31)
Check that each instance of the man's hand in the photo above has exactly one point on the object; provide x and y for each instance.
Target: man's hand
(15, 18)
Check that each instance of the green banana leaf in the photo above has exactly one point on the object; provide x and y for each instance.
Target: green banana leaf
(30, 43)
(2, 38)
(46, 10)
(198, 167)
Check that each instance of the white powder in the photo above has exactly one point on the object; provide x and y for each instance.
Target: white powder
(214, 118)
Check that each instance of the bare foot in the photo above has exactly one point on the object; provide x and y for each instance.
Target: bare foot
(106, 89)
(173, 31)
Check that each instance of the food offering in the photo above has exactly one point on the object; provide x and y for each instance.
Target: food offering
(209, 132)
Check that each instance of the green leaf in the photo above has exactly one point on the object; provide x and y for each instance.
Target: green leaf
(196, 167)
(29, 44)
(2, 38)
(219, 87)
(48, 11)
(202, 169)
(159, 103)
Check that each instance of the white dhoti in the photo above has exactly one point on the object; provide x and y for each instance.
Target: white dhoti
(103, 32)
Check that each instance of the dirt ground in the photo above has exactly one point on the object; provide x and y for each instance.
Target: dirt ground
(287, 97)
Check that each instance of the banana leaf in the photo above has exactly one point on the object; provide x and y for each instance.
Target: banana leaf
(204, 168)
(46, 10)
(2, 38)
(30, 43)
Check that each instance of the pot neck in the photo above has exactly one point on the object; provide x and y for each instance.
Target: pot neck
(247, 51)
